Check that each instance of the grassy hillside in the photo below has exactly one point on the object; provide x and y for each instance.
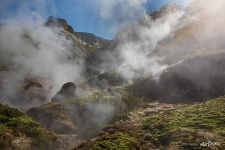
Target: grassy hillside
(166, 126)
(194, 124)
(19, 131)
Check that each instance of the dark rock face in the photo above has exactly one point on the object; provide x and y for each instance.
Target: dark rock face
(58, 22)
(67, 92)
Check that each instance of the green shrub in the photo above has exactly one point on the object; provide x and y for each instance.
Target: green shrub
(117, 141)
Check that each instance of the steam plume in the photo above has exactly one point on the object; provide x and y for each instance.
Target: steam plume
(32, 49)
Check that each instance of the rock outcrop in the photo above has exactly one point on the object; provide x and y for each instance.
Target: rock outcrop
(67, 92)
(58, 22)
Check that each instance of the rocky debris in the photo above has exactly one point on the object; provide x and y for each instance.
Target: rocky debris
(154, 108)
(22, 143)
(67, 92)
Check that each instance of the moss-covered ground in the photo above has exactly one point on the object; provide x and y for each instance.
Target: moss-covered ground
(188, 125)
(167, 126)
(117, 141)
(14, 124)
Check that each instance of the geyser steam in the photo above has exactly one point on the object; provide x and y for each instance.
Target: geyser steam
(33, 50)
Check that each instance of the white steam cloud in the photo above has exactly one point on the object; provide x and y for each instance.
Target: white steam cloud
(136, 51)
(149, 46)
(120, 13)
(34, 50)
(200, 31)
(126, 8)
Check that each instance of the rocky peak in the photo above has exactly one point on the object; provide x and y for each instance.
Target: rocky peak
(84, 41)
(58, 22)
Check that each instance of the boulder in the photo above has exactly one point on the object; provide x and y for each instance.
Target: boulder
(67, 92)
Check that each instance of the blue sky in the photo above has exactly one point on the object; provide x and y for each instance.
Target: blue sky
(84, 15)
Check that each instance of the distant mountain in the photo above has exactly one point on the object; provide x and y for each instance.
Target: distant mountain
(85, 41)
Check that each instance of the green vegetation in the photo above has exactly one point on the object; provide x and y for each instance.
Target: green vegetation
(159, 127)
(193, 124)
(14, 125)
(118, 141)
(122, 103)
